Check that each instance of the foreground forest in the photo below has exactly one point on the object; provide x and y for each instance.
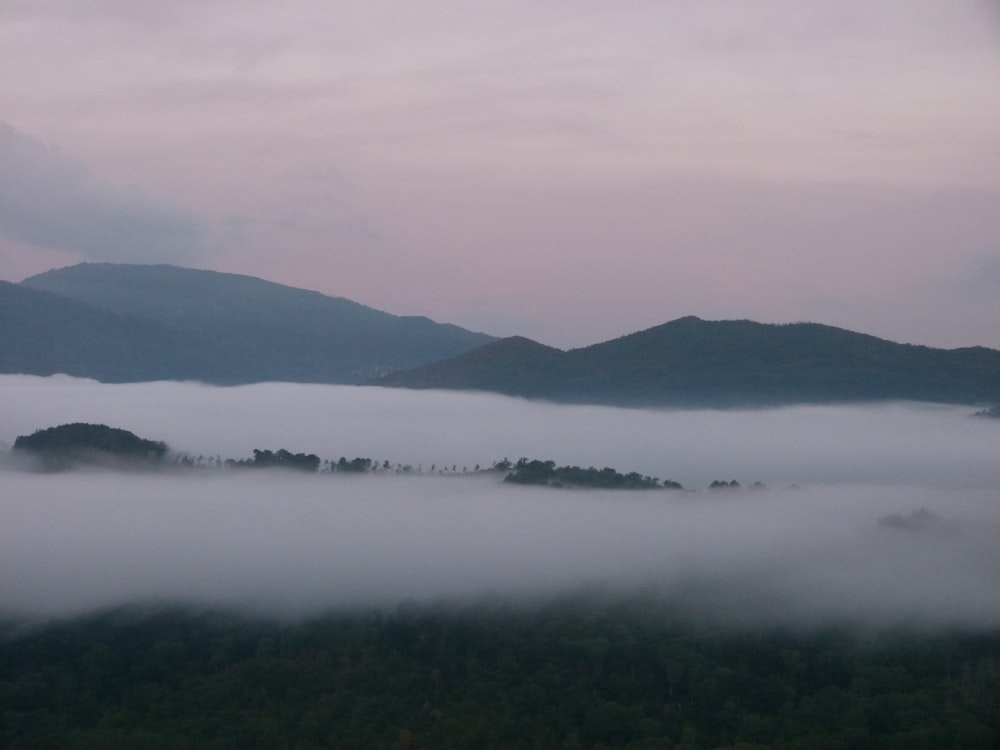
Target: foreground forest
(563, 675)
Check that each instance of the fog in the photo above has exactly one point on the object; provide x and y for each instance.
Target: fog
(893, 520)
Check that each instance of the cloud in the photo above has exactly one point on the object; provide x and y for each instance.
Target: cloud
(49, 200)
(292, 546)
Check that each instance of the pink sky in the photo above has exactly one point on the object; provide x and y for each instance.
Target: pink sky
(568, 171)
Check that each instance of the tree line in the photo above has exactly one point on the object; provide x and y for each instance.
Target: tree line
(547, 474)
(71, 445)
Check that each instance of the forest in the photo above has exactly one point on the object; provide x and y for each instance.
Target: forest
(576, 673)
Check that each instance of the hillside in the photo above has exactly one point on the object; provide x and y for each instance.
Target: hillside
(515, 366)
(248, 329)
(692, 362)
(44, 334)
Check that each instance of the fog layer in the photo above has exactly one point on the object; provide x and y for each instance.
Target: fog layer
(899, 444)
(293, 545)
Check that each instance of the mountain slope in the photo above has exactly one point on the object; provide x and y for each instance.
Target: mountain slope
(727, 363)
(275, 332)
(44, 334)
(515, 366)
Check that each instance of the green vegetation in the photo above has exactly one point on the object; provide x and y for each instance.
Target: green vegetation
(355, 465)
(570, 675)
(283, 459)
(546, 473)
(69, 445)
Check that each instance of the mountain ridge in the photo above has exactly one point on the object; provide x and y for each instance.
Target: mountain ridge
(273, 331)
(126, 323)
(693, 362)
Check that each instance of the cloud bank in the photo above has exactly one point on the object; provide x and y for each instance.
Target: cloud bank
(289, 546)
(895, 444)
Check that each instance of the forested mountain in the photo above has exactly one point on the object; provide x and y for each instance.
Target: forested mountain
(151, 322)
(690, 362)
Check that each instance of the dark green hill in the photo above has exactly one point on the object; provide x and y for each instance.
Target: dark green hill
(79, 443)
(256, 330)
(692, 362)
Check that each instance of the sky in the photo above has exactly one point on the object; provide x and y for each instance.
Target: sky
(892, 520)
(566, 171)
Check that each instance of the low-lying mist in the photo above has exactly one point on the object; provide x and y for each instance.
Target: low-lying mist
(896, 444)
(895, 520)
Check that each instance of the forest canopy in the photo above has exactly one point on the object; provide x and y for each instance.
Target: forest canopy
(572, 674)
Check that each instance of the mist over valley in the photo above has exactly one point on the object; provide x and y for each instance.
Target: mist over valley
(815, 548)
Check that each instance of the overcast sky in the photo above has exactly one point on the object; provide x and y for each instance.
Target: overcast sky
(569, 171)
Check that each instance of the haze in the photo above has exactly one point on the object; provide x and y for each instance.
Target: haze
(895, 520)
